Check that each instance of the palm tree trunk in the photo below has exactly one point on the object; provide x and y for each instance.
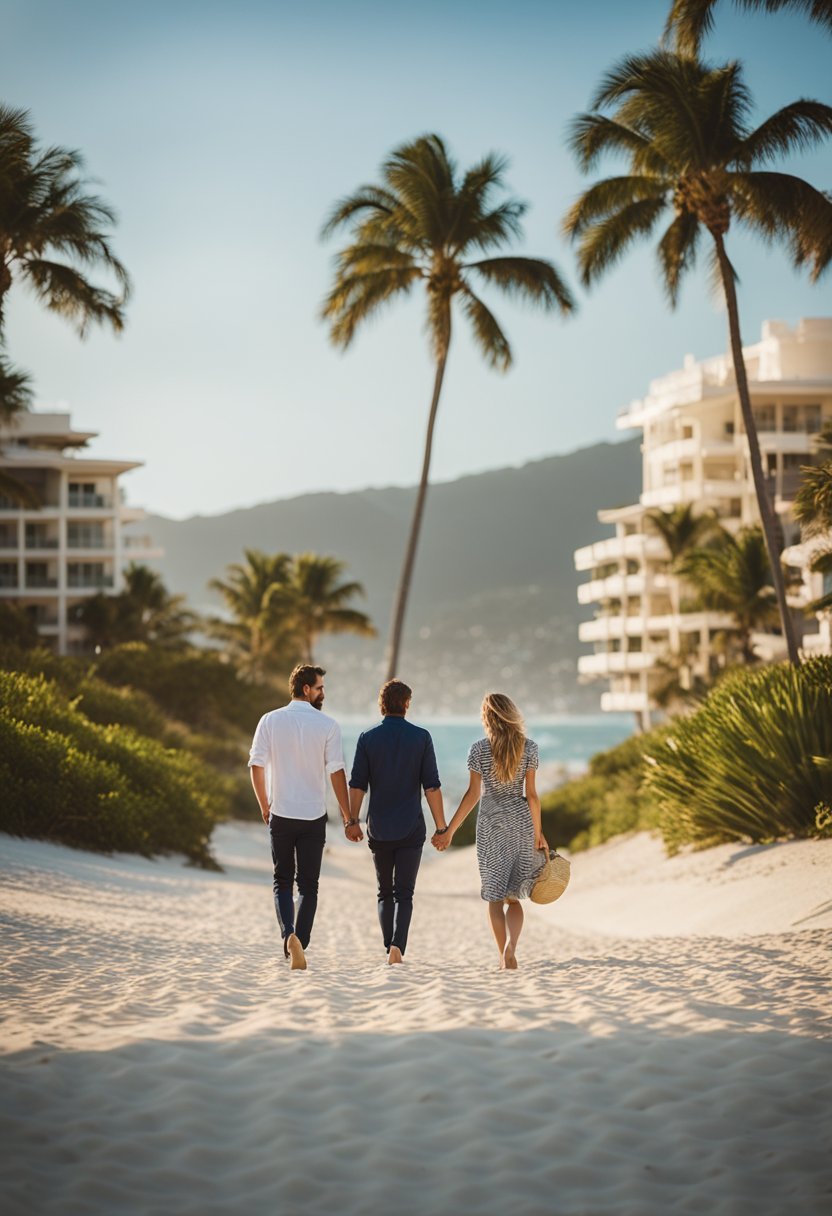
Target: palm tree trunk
(403, 590)
(763, 500)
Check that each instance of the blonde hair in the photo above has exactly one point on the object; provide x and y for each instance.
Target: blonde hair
(506, 732)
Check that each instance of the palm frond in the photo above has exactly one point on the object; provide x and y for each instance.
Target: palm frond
(356, 298)
(677, 252)
(795, 128)
(590, 136)
(487, 332)
(15, 391)
(531, 279)
(610, 195)
(602, 244)
(66, 291)
(690, 21)
(775, 205)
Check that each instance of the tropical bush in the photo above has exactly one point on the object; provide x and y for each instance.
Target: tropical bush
(72, 780)
(609, 800)
(753, 763)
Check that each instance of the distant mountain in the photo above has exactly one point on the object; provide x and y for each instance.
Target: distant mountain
(494, 592)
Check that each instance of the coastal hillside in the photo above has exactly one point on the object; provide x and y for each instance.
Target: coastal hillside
(494, 593)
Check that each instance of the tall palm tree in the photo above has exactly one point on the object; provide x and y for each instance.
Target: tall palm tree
(426, 225)
(51, 229)
(255, 636)
(690, 20)
(683, 125)
(733, 574)
(312, 601)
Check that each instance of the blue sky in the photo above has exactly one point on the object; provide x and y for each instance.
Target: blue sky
(222, 133)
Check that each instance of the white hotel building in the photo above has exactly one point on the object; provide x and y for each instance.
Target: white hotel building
(695, 451)
(54, 556)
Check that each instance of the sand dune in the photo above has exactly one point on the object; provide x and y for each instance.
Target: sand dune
(663, 1048)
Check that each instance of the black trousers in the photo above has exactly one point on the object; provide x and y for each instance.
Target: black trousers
(397, 864)
(297, 849)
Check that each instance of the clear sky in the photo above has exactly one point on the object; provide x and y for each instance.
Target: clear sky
(223, 132)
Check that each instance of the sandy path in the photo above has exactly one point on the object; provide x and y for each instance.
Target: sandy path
(159, 1057)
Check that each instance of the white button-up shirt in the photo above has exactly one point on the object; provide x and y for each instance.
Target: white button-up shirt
(298, 746)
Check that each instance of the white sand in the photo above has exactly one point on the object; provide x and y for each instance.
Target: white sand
(664, 1047)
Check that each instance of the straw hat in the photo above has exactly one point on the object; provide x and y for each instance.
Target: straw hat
(552, 880)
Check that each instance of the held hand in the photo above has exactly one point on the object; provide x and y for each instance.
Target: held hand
(354, 833)
(440, 841)
(540, 842)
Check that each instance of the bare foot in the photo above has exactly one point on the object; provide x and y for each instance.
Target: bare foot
(509, 961)
(295, 953)
(394, 955)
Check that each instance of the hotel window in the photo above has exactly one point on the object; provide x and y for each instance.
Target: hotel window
(811, 414)
(87, 574)
(85, 536)
(789, 417)
(764, 417)
(8, 574)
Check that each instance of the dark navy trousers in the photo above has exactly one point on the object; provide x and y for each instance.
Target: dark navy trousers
(297, 849)
(397, 864)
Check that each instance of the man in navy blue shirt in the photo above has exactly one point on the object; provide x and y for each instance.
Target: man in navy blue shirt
(397, 761)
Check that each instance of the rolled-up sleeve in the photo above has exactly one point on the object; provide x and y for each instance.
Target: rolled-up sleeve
(430, 773)
(334, 753)
(260, 751)
(360, 776)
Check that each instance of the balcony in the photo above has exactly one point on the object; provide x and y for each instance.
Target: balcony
(693, 491)
(624, 702)
(40, 542)
(102, 582)
(615, 662)
(616, 587)
(89, 502)
(636, 545)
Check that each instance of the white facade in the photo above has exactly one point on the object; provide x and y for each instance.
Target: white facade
(73, 545)
(695, 451)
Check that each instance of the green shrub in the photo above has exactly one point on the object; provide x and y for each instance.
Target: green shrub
(198, 687)
(609, 800)
(752, 763)
(69, 779)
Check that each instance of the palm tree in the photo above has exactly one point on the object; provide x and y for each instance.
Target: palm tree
(683, 126)
(15, 398)
(426, 225)
(254, 634)
(691, 20)
(682, 527)
(733, 574)
(813, 510)
(51, 229)
(312, 602)
(143, 612)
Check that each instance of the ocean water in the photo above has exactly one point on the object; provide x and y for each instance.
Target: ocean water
(566, 744)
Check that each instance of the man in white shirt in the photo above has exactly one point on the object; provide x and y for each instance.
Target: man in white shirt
(293, 751)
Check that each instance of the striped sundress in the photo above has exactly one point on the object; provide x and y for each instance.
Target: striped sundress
(508, 860)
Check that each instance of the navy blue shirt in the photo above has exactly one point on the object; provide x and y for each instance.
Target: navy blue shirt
(397, 761)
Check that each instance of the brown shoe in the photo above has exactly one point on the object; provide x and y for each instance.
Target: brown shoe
(296, 954)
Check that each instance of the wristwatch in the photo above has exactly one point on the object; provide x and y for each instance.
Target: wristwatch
(351, 823)
(442, 831)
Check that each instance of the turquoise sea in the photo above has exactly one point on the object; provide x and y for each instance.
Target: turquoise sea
(566, 744)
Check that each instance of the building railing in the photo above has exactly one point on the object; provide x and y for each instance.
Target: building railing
(8, 580)
(40, 542)
(100, 582)
(39, 583)
(88, 500)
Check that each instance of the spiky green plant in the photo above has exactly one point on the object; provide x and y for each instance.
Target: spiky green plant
(684, 127)
(732, 574)
(427, 226)
(752, 763)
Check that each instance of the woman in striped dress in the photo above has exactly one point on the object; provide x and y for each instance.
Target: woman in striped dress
(509, 835)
